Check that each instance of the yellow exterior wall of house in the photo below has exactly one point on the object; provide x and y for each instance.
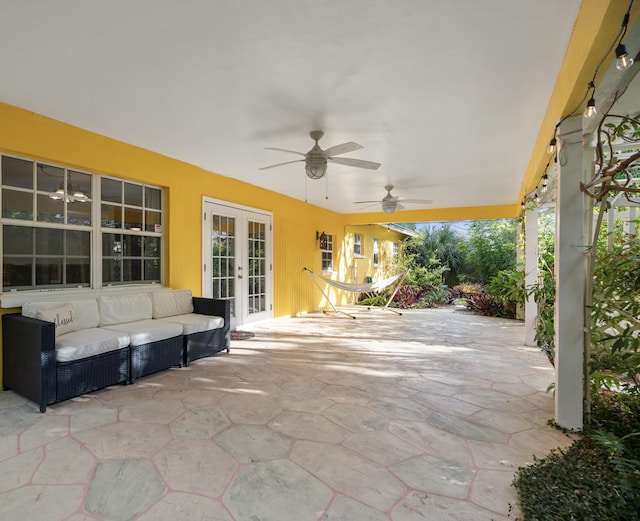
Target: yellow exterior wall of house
(360, 267)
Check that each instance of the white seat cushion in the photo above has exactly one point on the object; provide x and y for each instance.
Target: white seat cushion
(147, 331)
(88, 342)
(195, 323)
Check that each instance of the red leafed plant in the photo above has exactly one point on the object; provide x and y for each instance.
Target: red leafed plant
(407, 297)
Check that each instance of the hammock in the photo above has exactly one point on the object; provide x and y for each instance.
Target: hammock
(365, 287)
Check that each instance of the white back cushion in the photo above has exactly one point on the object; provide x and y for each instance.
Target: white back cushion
(170, 303)
(85, 311)
(124, 308)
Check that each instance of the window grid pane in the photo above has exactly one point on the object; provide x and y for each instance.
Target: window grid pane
(43, 257)
(327, 253)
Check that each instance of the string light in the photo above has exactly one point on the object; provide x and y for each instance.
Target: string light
(591, 111)
(623, 60)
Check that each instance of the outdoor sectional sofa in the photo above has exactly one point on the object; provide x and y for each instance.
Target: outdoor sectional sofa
(53, 351)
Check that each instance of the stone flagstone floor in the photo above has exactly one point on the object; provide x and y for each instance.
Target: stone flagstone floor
(323, 418)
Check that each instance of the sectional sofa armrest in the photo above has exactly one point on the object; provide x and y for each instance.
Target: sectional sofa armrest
(215, 307)
(212, 306)
(29, 358)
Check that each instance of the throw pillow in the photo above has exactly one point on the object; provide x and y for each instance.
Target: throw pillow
(63, 317)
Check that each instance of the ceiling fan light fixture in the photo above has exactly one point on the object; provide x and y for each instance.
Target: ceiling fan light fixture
(316, 167)
(388, 206)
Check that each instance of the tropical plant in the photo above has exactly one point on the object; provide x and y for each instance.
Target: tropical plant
(424, 272)
(507, 288)
(490, 248)
(407, 297)
(436, 296)
(485, 304)
(445, 244)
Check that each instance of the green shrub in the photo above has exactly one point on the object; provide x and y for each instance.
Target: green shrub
(372, 299)
(507, 288)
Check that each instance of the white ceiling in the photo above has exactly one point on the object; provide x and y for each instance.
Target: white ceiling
(448, 95)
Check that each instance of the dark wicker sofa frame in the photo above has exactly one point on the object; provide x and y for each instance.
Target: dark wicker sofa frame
(208, 343)
(29, 364)
(30, 367)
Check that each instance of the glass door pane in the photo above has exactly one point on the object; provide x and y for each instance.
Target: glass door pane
(223, 248)
(257, 272)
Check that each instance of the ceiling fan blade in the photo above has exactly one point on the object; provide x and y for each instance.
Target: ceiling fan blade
(363, 202)
(280, 164)
(342, 149)
(415, 201)
(375, 203)
(359, 163)
(285, 150)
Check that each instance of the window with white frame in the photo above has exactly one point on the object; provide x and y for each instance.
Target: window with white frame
(376, 254)
(394, 247)
(357, 245)
(53, 228)
(131, 225)
(326, 249)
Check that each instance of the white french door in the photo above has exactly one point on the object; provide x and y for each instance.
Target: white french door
(237, 260)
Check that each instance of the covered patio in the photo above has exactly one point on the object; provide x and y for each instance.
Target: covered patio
(424, 415)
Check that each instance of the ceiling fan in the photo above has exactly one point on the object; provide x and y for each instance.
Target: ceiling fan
(316, 159)
(392, 203)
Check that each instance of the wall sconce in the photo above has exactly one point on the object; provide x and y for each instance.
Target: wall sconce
(321, 236)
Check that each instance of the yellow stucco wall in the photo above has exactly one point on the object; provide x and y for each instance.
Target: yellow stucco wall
(364, 266)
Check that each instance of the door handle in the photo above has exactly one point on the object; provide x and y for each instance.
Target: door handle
(239, 272)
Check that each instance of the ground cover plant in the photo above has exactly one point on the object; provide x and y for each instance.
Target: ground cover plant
(597, 478)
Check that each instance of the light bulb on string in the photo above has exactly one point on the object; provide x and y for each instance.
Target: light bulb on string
(545, 183)
(623, 60)
(590, 111)
(552, 146)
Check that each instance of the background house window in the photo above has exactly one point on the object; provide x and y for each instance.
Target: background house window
(326, 248)
(376, 254)
(357, 245)
(51, 228)
(394, 246)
